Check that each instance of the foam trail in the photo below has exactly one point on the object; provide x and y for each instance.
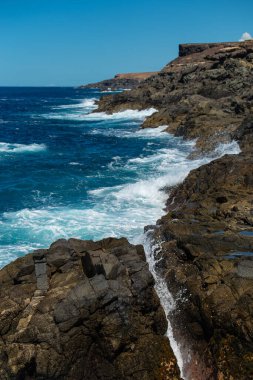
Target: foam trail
(123, 115)
(164, 294)
(84, 115)
(21, 148)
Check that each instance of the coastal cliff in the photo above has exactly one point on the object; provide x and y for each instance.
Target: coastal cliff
(203, 95)
(84, 309)
(120, 81)
(206, 236)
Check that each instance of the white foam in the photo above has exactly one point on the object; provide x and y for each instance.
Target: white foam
(111, 91)
(227, 148)
(75, 164)
(145, 133)
(8, 252)
(86, 103)
(102, 116)
(21, 148)
(123, 115)
(164, 295)
(121, 210)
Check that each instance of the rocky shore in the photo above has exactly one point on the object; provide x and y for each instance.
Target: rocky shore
(120, 81)
(83, 310)
(88, 310)
(206, 236)
(204, 94)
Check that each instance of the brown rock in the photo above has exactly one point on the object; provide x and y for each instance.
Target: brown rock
(99, 317)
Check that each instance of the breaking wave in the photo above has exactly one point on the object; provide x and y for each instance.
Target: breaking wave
(21, 148)
(85, 108)
(86, 103)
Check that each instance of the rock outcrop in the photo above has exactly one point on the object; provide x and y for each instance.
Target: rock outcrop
(83, 310)
(89, 310)
(204, 94)
(120, 81)
(206, 236)
(206, 253)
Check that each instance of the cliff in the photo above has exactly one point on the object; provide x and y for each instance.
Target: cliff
(203, 95)
(206, 237)
(120, 81)
(207, 255)
(88, 309)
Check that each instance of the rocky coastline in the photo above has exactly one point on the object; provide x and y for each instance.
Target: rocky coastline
(83, 310)
(97, 316)
(120, 82)
(206, 236)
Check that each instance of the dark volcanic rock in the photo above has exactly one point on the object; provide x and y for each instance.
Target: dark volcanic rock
(204, 94)
(120, 81)
(206, 237)
(207, 253)
(89, 312)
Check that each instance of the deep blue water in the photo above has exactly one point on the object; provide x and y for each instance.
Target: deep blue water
(67, 173)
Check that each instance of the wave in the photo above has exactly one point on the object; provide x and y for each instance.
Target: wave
(121, 210)
(85, 115)
(122, 115)
(86, 103)
(8, 252)
(168, 167)
(21, 148)
(145, 133)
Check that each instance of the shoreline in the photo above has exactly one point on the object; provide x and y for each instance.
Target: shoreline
(207, 231)
(205, 238)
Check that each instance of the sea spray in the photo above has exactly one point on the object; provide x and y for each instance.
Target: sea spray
(104, 177)
(168, 303)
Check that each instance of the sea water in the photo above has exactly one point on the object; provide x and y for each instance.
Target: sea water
(66, 171)
(69, 171)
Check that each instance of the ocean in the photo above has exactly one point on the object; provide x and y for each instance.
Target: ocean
(67, 172)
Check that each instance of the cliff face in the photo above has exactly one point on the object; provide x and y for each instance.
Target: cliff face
(83, 310)
(120, 81)
(189, 49)
(206, 237)
(204, 94)
(88, 310)
(207, 255)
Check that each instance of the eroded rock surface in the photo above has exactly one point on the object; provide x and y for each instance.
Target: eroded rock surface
(207, 258)
(93, 314)
(206, 237)
(204, 94)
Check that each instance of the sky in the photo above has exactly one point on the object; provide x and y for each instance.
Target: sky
(72, 42)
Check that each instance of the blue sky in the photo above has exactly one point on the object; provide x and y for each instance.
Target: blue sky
(70, 42)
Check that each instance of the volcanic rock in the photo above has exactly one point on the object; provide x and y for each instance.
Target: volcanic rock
(120, 82)
(206, 236)
(83, 310)
(207, 258)
(204, 94)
